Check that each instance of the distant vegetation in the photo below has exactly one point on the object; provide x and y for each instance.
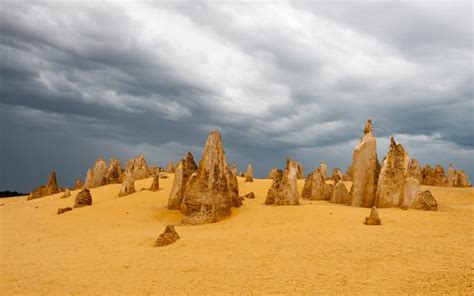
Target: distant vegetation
(8, 193)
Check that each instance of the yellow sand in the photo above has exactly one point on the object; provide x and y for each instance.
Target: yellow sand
(317, 247)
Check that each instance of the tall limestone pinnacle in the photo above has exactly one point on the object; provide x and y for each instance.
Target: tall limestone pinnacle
(211, 192)
(393, 176)
(365, 169)
(184, 170)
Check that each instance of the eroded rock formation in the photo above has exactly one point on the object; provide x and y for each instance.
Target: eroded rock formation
(170, 167)
(249, 174)
(336, 174)
(51, 187)
(392, 178)
(324, 169)
(414, 170)
(83, 198)
(365, 170)
(78, 185)
(128, 185)
(315, 188)
(95, 176)
(184, 170)
(168, 237)
(272, 173)
(348, 175)
(298, 165)
(155, 184)
(340, 193)
(284, 189)
(213, 190)
(373, 219)
(67, 193)
(425, 201)
(137, 168)
(64, 210)
(114, 172)
(235, 171)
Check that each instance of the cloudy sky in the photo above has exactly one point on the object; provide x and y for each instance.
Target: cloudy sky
(83, 80)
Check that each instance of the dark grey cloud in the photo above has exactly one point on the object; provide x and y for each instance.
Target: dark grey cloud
(81, 80)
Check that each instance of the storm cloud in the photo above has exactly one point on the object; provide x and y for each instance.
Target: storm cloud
(83, 80)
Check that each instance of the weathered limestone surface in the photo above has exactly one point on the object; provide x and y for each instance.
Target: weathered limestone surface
(411, 190)
(168, 237)
(184, 170)
(83, 198)
(212, 192)
(392, 178)
(51, 187)
(365, 170)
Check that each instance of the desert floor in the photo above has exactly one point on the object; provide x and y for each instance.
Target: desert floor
(317, 247)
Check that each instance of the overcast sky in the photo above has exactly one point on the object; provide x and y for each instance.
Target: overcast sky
(82, 80)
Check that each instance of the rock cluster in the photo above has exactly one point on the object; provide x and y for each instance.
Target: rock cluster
(83, 198)
(436, 177)
(393, 176)
(184, 170)
(315, 188)
(284, 189)
(365, 170)
(51, 187)
(373, 218)
(213, 190)
(128, 185)
(170, 167)
(168, 237)
(249, 174)
(101, 174)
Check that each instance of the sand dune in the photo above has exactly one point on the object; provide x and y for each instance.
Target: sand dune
(317, 246)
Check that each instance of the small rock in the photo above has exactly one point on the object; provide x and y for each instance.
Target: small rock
(250, 195)
(425, 201)
(373, 219)
(64, 210)
(83, 198)
(168, 237)
(66, 194)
